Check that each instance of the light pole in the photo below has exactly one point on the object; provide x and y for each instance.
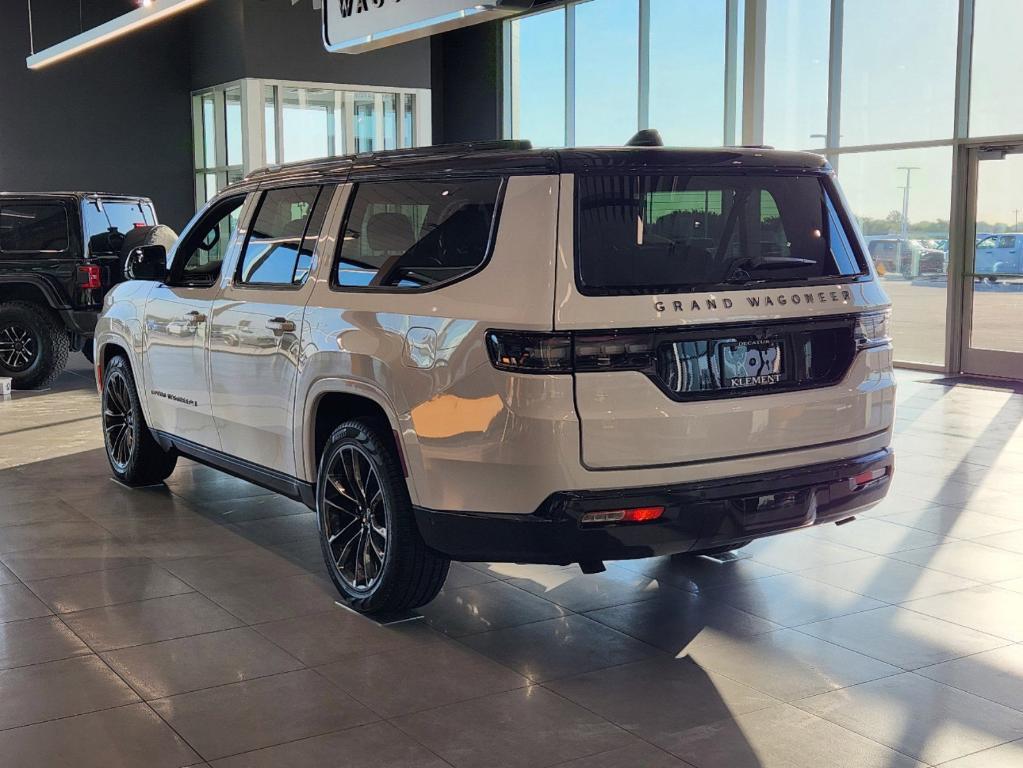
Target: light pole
(904, 234)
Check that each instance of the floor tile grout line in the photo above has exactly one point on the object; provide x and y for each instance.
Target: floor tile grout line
(796, 704)
(800, 630)
(1008, 640)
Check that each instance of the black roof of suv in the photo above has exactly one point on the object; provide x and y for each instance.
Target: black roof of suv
(518, 157)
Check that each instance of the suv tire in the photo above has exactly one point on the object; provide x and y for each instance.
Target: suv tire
(373, 550)
(33, 344)
(134, 455)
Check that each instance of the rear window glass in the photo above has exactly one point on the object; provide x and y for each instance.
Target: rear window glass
(31, 227)
(107, 222)
(671, 233)
(416, 234)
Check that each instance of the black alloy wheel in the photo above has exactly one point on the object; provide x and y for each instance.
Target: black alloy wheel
(18, 347)
(33, 344)
(355, 518)
(118, 421)
(134, 455)
(374, 552)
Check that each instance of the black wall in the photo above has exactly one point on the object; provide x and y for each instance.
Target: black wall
(118, 118)
(113, 119)
(467, 84)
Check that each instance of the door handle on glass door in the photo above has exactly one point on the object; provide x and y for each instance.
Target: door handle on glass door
(280, 325)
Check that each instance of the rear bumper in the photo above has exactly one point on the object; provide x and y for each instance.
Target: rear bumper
(697, 516)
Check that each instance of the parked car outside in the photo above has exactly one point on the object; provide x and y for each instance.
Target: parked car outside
(488, 352)
(60, 252)
(1000, 254)
(909, 258)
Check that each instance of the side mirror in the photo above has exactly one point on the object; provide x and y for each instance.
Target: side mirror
(147, 262)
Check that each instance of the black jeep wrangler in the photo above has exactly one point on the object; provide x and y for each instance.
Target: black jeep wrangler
(60, 252)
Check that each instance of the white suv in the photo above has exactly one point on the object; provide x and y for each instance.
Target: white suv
(490, 352)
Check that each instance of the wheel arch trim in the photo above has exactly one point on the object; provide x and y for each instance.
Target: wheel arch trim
(305, 424)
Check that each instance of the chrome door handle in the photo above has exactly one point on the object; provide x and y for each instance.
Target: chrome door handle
(194, 318)
(280, 325)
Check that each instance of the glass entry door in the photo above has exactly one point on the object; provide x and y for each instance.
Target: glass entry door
(993, 275)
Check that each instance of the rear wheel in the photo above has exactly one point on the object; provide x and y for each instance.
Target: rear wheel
(372, 547)
(134, 455)
(33, 344)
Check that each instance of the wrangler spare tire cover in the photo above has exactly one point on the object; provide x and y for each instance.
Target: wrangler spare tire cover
(156, 234)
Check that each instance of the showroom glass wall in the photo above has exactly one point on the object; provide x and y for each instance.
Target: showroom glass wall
(894, 105)
(244, 125)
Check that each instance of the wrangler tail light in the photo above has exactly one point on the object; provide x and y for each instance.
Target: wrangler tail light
(89, 277)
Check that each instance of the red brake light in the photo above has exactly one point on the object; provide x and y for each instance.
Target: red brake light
(633, 515)
(89, 277)
(857, 482)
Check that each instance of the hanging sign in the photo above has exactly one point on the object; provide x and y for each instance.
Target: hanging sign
(354, 26)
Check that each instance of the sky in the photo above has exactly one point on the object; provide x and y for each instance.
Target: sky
(898, 85)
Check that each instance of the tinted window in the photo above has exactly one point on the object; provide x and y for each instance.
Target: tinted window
(198, 261)
(33, 227)
(647, 233)
(107, 222)
(277, 239)
(414, 234)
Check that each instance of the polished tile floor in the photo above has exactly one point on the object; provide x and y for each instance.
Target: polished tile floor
(193, 625)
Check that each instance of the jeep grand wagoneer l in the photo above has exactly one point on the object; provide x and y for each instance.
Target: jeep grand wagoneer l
(493, 352)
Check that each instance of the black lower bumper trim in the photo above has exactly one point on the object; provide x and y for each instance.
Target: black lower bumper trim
(697, 516)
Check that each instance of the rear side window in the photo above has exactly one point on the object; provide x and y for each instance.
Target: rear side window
(674, 233)
(280, 242)
(416, 234)
(28, 227)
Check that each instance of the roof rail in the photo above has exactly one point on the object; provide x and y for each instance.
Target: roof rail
(432, 150)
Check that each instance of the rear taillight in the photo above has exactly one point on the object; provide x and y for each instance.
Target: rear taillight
(567, 352)
(873, 329)
(631, 515)
(863, 479)
(89, 277)
(617, 352)
(530, 352)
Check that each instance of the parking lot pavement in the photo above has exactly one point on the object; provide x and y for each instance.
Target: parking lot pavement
(918, 320)
(194, 622)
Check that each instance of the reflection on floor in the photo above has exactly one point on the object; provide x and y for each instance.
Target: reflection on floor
(193, 623)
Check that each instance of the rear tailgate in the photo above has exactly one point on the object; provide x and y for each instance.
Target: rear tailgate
(669, 378)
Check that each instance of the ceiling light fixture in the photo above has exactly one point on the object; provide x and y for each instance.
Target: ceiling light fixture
(148, 12)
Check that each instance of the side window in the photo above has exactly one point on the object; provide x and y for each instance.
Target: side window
(1007, 241)
(838, 241)
(275, 251)
(198, 260)
(416, 234)
(988, 242)
(28, 227)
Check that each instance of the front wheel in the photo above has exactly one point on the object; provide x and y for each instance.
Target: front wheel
(374, 552)
(134, 455)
